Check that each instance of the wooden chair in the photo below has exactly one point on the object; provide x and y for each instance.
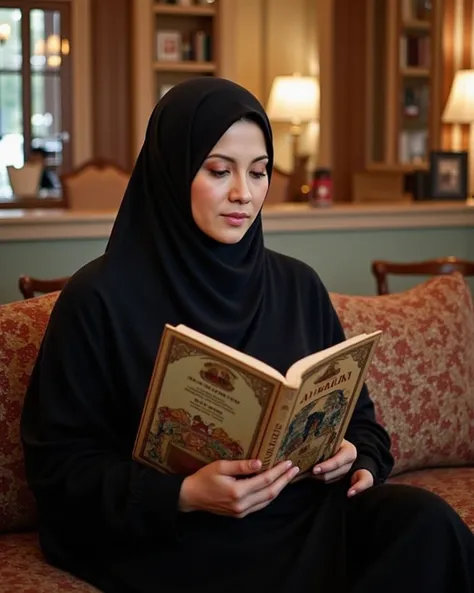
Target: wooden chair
(97, 185)
(434, 267)
(31, 287)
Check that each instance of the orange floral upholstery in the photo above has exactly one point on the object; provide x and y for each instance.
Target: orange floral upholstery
(23, 569)
(422, 375)
(22, 325)
(454, 484)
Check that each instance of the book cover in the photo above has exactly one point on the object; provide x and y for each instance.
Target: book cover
(207, 401)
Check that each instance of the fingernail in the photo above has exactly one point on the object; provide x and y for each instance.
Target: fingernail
(289, 464)
(255, 464)
(295, 470)
(317, 470)
(352, 492)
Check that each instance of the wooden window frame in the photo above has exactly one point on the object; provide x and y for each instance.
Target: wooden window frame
(66, 75)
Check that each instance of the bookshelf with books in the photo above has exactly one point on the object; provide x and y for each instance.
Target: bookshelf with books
(404, 83)
(172, 41)
(185, 34)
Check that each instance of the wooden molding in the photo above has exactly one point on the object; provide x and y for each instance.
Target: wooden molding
(57, 224)
(349, 94)
(112, 80)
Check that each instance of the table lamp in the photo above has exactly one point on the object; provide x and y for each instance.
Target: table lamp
(459, 109)
(294, 100)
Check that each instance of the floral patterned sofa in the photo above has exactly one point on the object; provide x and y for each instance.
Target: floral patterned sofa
(422, 380)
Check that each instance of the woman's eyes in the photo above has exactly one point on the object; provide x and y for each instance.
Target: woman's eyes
(219, 173)
(216, 173)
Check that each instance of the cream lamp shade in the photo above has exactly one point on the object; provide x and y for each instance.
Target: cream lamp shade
(460, 104)
(294, 99)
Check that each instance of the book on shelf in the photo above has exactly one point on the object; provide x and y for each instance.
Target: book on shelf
(207, 401)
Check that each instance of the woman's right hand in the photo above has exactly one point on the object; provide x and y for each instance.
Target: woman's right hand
(221, 488)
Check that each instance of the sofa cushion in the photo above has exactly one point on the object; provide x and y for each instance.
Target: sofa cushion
(24, 570)
(422, 375)
(22, 325)
(453, 484)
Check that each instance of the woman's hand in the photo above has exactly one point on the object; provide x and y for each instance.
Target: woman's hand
(222, 488)
(338, 466)
(361, 480)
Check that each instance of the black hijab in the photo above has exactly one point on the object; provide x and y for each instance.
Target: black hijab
(213, 287)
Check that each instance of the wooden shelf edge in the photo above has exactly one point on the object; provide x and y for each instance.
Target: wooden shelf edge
(413, 72)
(416, 25)
(172, 10)
(396, 167)
(202, 67)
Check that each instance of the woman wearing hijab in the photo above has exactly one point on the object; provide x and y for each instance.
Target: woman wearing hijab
(187, 247)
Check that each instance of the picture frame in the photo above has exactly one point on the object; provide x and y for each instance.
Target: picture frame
(448, 175)
(168, 46)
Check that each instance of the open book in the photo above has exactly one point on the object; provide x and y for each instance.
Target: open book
(207, 401)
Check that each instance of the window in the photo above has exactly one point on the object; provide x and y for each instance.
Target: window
(35, 91)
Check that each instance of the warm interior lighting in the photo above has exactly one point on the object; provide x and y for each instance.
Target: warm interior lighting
(53, 44)
(65, 47)
(5, 33)
(54, 61)
(459, 109)
(460, 104)
(294, 99)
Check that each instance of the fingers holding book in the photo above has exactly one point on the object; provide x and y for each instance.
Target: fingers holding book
(231, 488)
(337, 466)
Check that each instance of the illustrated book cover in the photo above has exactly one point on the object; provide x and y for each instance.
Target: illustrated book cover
(207, 401)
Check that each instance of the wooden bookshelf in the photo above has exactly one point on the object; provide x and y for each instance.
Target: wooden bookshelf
(153, 75)
(404, 52)
(185, 43)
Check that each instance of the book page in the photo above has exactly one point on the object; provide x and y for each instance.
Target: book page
(219, 347)
(304, 365)
(204, 409)
(324, 405)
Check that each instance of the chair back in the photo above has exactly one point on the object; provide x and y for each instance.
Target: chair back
(98, 185)
(31, 287)
(434, 267)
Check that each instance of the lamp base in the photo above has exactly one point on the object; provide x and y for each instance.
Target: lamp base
(298, 179)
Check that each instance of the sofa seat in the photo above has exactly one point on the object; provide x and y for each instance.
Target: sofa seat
(23, 569)
(454, 484)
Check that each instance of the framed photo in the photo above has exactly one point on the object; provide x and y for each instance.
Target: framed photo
(168, 46)
(448, 175)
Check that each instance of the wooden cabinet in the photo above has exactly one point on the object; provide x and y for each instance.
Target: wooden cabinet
(404, 56)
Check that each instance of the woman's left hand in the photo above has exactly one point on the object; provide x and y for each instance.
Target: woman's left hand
(338, 466)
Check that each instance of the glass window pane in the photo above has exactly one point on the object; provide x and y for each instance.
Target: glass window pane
(11, 116)
(46, 41)
(11, 127)
(10, 39)
(46, 115)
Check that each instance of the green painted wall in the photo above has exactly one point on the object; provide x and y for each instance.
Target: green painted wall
(342, 258)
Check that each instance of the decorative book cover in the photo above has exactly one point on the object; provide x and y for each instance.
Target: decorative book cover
(207, 401)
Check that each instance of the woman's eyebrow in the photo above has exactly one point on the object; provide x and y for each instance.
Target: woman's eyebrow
(224, 157)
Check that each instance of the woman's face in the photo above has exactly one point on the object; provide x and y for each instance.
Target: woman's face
(230, 187)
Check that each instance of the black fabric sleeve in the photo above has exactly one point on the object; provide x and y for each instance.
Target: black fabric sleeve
(78, 462)
(369, 437)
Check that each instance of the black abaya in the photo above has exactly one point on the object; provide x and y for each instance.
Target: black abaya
(116, 523)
